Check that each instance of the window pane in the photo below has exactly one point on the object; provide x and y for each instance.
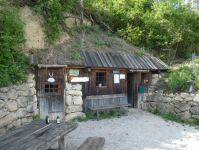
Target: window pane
(56, 90)
(51, 86)
(56, 86)
(46, 90)
(144, 77)
(100, 79)
(51, 90)
(46, 86)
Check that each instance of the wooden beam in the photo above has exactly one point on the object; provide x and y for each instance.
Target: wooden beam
(104, 96)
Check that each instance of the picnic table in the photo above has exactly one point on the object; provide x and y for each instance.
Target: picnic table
(37, 136)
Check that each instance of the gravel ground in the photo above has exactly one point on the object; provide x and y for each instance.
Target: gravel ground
(139, 130)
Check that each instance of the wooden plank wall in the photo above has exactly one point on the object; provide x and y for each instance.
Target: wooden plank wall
(89, 88)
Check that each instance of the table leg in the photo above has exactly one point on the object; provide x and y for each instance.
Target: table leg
(62, 144)
(97, 115)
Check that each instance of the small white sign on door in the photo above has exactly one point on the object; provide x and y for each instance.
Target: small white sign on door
(116, 78)
(122, 76)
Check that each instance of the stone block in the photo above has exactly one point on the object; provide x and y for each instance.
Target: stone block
(191, 103)
(178, 98)
(12, 94)
(154, 76)
(77, 100)
(15, 123)
(189, 98)
(11, 105)
(182, 107)
(177, 110)
(186, 116)
(171, 95)
(4, 89)
(32, 91)
(21, 112)
(32, 84)
(22, 87)
(22, 101)
(77, 87)
(167, 99)
(26, 120)
(3, 113)
(144, 98)
(153, 104)
(32, 107)
(71, 109)
(68, 100)
(8, 119)
(28, 92)
(73, 115)
(74, 93)
(195, 110)
(68, 86)
(2, 131)
(1, 103)
(146, 106)
(195, 116)
(196, 98)
(184, 95)
(3, 96)
(165, 108)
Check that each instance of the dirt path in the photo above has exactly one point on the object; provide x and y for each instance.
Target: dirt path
(138, 131)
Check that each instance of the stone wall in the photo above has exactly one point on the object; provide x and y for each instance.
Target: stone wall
(18, 104)
(185, 104)
(73, 101)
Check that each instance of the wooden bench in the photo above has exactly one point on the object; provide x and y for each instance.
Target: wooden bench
(37, 136)
(92, 143)
(105, 97)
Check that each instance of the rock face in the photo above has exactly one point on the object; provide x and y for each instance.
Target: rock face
(18, 103)
(184, 104)
(73, 101)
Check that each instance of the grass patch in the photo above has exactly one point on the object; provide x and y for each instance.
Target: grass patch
(37, 116)
(102, 115)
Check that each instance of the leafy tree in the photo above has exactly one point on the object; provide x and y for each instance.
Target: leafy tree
(12, 60)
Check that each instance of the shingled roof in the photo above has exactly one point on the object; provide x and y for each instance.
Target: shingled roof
(105, 60)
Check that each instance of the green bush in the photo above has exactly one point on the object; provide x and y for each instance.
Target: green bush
(12, 60)
(99, 41)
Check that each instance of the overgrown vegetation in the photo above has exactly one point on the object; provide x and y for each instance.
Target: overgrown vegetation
(12, 60)
(177, 78)
(173, 117)
(37, 116)
(102, 114)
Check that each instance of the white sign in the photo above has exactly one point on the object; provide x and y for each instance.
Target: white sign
(80, 79)
(122, 76)
(116, 78)
(51, 80)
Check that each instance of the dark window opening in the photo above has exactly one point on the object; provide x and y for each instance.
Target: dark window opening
(51, 88)
(144, 78)
(100, 79)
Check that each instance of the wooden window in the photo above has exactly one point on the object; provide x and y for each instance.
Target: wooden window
(144, 78)
(52, 88)
(101, 79)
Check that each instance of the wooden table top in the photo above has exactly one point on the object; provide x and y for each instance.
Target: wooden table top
(36, 136)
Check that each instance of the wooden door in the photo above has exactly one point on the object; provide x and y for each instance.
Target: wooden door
(132, 89)
(51, 94)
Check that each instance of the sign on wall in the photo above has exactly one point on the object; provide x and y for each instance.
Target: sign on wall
(116, 78)
(73, 72)
(122, 76)
(79, 79)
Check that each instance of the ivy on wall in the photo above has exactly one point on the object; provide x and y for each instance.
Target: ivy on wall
(12, 60)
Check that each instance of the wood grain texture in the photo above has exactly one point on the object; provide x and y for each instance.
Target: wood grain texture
(104, 96)
(36, 135)
(92, 143)
(108, 106)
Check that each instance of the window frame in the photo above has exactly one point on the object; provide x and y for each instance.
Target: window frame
(95, 76)
(52, 93)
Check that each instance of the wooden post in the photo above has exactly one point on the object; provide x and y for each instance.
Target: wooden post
(62, 144)
(97, 115)
(127, 110)
(91, 102)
